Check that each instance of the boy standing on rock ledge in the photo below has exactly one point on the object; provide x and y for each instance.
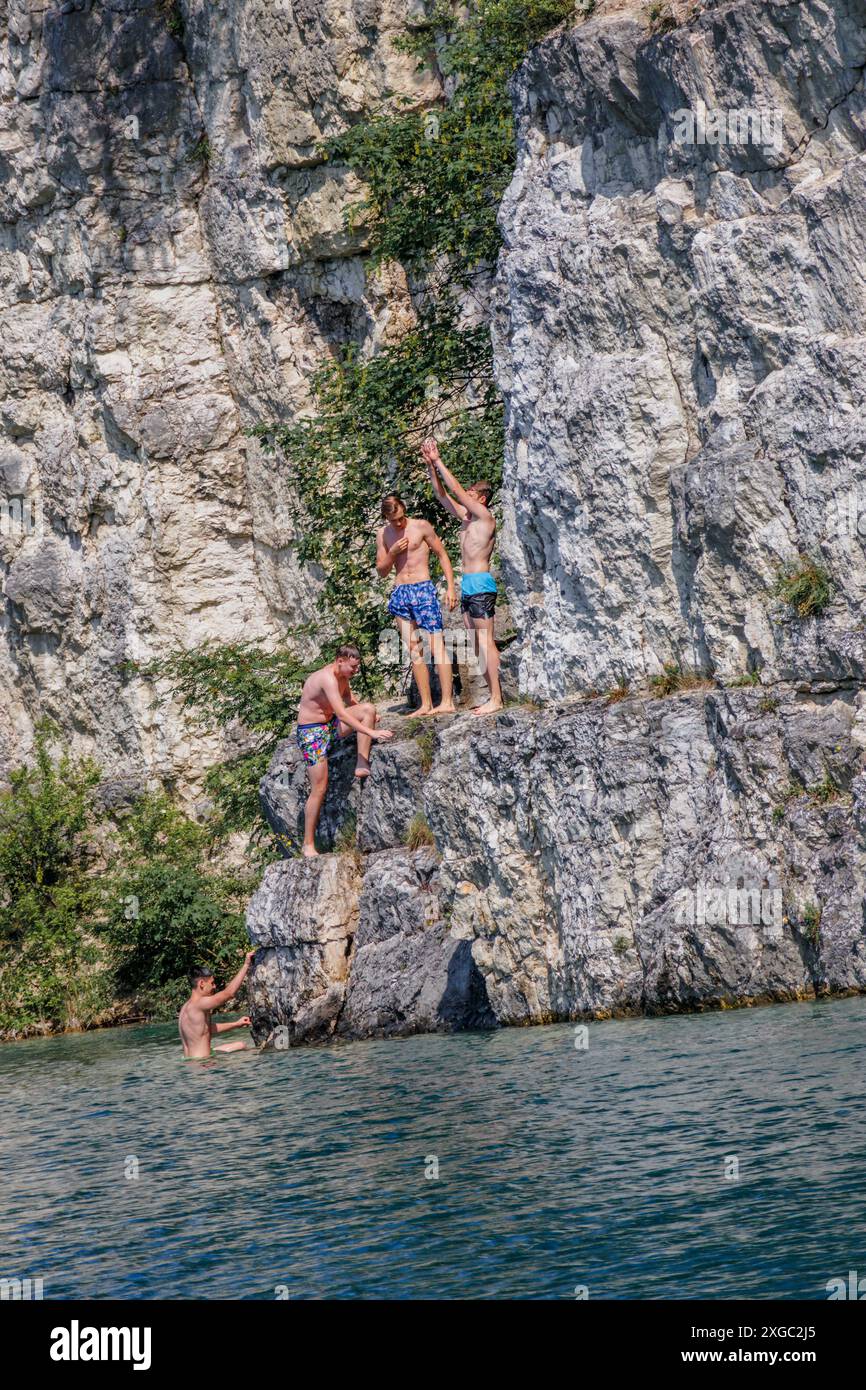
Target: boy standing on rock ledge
(328, 711)
(404, 544)
(477, 587)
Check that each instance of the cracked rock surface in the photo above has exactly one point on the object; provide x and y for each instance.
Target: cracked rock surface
(595, 858)
(680, 342)
(173, 266)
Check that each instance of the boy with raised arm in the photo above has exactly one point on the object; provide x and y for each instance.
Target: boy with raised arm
(329, 711)
(404, 544)
(196, 1018)
(471, 505)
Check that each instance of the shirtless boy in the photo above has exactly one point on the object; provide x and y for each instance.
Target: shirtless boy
(196, 1021)
(477, 539)
(404, 545)
(329, 711)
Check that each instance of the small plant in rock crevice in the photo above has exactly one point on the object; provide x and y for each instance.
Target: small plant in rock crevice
(811, 923)
(805, 586)
(418, 834)
(200, 153)
(674, 679)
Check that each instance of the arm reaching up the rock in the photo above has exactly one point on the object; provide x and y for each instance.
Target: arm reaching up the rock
(465, 499)
(430, 452)
(215, 1001)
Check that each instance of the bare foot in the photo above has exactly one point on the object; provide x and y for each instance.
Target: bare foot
(443, 709)
(490, 708)
(309, 852)
(363, 769)
(423, 712)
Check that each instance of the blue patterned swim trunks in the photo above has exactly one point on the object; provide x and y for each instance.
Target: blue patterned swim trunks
(314, 740)
(417, 602)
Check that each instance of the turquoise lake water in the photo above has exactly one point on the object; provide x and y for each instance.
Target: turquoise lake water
(304, 1172)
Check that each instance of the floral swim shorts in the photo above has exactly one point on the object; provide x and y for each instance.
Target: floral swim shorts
(314, 740)
(417, 602)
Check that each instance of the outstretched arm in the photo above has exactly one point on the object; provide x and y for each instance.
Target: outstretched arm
(441, 495)
(215, 1001)
(343, 711)
(227, 1027)
(434, 460)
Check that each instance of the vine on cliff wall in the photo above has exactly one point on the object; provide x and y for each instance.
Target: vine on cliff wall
(434, 179)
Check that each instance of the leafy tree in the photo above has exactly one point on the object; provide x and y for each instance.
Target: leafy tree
(49, 899)
(168, 907)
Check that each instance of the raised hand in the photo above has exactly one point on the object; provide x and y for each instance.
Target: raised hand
(430, 452)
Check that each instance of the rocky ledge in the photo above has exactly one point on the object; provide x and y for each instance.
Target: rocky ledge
(592, 858)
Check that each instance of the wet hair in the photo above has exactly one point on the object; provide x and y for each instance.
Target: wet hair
(485, 488)
(348, 652)
(391, 505)
(202, 973)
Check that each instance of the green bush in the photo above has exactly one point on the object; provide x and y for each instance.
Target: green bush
(91, 912)
(49, 898)
(804, 586)
(169, 908)
(244, 686)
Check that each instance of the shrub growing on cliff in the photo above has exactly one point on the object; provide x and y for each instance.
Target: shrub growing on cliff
(168, 906)
(805, 586)
(48, 896)
(433, 180)
(242, 688)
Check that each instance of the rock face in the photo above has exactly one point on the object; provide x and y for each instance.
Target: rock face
(358, 955)
(679, 339)
(173, 265)
(680, 342)
(596, 858)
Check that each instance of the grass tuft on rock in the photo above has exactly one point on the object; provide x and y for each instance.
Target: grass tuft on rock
(418, 834)
(674, 679)
(805, 586)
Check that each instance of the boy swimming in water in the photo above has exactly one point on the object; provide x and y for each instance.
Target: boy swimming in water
(195, 1020)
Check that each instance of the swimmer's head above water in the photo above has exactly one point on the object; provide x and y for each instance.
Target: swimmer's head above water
(196, 1019)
